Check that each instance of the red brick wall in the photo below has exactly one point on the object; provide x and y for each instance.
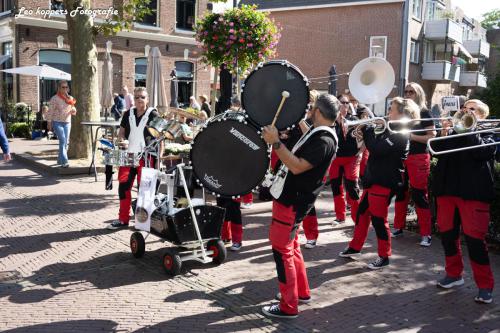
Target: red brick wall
(314, 39)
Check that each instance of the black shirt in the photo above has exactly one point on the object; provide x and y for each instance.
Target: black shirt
(301, 190)
(125, 123)
(348, 146)
(385, 164)
(418, 147)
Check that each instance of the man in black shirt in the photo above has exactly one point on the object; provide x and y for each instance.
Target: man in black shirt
(303, 171)
(134, 136)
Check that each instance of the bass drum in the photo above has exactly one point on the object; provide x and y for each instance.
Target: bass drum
(261, 94)
(229, 157)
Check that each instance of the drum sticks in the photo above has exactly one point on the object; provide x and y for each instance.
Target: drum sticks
(284, 95)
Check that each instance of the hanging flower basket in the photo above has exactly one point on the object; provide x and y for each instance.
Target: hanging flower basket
(239, 38)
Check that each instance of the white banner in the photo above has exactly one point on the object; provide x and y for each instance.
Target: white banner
(450, 104)
(145, 199)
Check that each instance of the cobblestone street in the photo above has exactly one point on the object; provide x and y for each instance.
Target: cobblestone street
(62, 271)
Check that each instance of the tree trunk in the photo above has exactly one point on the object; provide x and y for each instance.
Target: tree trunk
(84, 80)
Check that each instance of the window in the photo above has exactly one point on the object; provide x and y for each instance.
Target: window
(141, 69)
(5, 5)
(185, 14)
(429, 51)
(58, 59)
(414, 51)
(416, 9)
(57, 5)
(185, 76)
(7, 63)
(151, 19)
(467, 30)
(378, 46)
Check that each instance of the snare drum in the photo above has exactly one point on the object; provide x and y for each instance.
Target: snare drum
(229, 157)
(120, 157)
(262, 92)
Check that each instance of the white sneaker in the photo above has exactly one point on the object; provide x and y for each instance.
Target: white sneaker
(426, 241)
(236, 247)
(310, 244)
(246, 205)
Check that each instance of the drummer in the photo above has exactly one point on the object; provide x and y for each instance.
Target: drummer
(133, 136)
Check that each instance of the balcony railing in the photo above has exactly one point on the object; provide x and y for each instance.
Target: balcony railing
(478, 47)
(440, 71)
(441, 29)
(472, 79)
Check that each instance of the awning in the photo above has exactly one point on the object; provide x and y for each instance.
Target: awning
(464, 51)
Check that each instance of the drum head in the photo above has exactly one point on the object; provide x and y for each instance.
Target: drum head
(229, 158)
(262, 94)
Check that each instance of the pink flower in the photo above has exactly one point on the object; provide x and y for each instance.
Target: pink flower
(250, 45)
(231, 31)
(231, 24)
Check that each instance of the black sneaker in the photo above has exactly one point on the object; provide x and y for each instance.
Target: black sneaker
(274, 311)
(379, 263)
(397, 233)
(448, 282)
(349, 252)
(484, 296)
(117, 225)
(302, 300)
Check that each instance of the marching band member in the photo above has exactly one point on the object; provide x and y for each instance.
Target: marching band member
(363, 113)
(463, 185)
(133, 129)
(345, 167)
(383, 177)
(295, 189)
(417, 167)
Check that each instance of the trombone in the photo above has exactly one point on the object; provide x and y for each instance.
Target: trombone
(380, 125)
(433, 152)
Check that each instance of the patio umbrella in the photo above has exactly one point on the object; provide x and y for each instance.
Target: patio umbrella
(155, 84)
(332, 81)
(107, 85)
(43, 72)
(174, 89)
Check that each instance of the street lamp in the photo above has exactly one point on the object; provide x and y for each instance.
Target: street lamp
(109, 46)
(60, 42)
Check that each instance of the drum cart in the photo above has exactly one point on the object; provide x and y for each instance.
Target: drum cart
(194, 230)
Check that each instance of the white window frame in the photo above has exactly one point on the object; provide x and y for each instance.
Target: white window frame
(414, 51)
(373, 54)
(417, 14)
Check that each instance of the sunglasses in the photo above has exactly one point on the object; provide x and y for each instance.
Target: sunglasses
(139, 97)
(345, 103)
(65, 87)
(409, 92)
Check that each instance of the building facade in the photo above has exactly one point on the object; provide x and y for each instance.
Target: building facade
(32, 39)
(425, 41)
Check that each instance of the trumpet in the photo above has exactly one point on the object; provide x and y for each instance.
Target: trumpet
(380, 126)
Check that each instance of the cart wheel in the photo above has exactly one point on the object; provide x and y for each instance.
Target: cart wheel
(137, 244)
(172, 263)
(219, 249)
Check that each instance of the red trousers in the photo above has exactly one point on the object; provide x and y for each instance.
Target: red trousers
(289, 261)
(126, 178)
(364, 162)
(310, 225)
(418, 167)
(232, 229)
(474, 217)
(345, 170)
(247, 198)
(374, 205)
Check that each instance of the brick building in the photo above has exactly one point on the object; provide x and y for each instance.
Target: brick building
(424, 41)
(32, 39)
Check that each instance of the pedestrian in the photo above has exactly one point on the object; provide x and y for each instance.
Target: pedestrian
(133, 136)
(61, 108)
(204, 105)
(4, 143)
(129, 98)
(383, 176)
(119, 107)
(298, 182)
(194, 104)
(417, 170)
(463, 184)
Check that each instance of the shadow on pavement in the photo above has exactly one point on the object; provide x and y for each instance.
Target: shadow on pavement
(73, 326)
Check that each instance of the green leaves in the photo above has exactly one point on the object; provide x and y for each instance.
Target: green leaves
(239, 38)
(491, 20)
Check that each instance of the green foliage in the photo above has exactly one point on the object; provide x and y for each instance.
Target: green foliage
(20, 130)
(239, 38)
(491, 20)
(132, 10)
(447, 15)
(491, 94)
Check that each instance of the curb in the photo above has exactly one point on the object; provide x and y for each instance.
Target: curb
(53, 170)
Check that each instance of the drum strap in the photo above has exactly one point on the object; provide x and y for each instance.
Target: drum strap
(136, 136)
(279, 182)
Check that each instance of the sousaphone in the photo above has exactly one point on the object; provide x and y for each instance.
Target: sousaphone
(371, 80)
